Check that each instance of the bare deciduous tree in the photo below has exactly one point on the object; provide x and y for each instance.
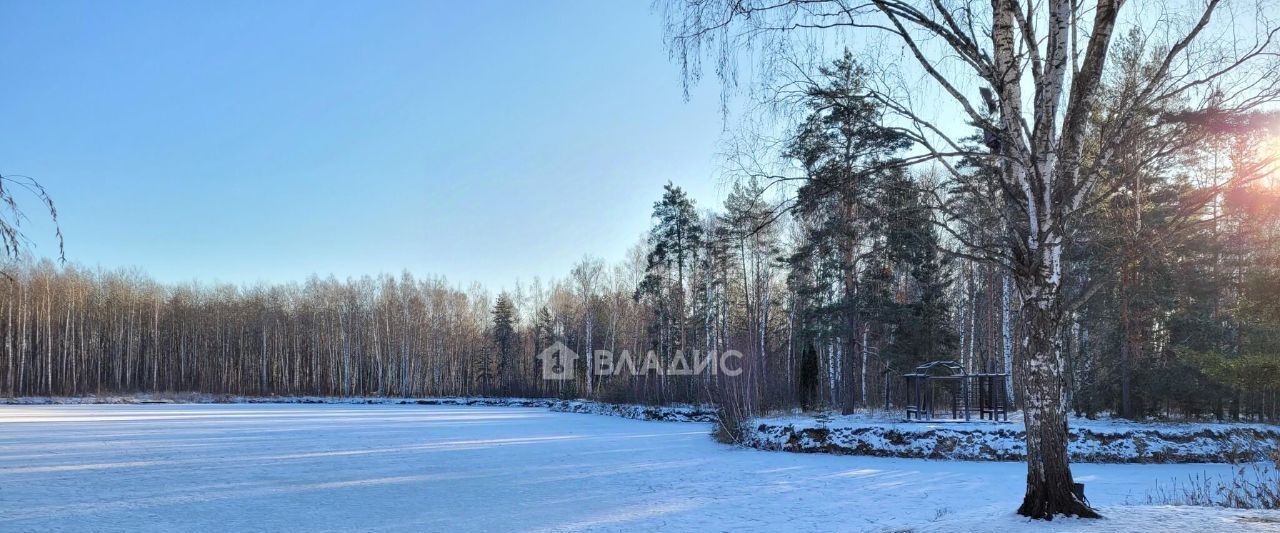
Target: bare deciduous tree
(1038, 67)
(13, 240)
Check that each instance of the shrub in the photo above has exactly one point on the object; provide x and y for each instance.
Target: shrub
(1251, 486)
(733, 414)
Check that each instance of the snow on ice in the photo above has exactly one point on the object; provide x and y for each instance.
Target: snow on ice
(330, 467)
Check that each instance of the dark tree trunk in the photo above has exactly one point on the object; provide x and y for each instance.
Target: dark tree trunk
(1126, 343)
(1049, 481)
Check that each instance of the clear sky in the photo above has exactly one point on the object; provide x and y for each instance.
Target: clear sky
(245, 141)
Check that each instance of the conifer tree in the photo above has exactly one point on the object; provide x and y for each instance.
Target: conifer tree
(504, 339)
(674, 241)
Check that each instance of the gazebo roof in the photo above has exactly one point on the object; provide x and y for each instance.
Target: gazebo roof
(932, 369)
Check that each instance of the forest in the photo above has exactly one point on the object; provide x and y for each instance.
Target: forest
(830, 290)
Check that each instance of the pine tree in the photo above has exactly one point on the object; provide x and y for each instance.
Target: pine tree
(674, 241)
(505, 340)
(845, 152)
(921, 326)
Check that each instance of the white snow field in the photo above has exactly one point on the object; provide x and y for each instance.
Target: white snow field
(262, 467)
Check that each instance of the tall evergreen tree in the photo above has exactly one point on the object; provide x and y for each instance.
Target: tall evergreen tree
(844, 150)
(505, 340)
(674, 241)
(921, 325)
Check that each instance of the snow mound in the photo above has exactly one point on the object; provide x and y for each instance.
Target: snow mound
(1091, 441)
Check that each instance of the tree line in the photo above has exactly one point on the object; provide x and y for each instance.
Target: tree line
(829, 291)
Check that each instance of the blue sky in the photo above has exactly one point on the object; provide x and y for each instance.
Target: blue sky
(242, 141)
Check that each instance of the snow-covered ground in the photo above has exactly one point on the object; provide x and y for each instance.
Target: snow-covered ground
(1099, 441)
(271, 467)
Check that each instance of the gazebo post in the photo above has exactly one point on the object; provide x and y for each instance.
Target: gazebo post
(1004, 398)
(886, 390)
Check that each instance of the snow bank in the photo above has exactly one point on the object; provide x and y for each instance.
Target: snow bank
(668, 413)
(1092, 441)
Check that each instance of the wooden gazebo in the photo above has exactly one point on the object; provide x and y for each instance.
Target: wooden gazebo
(962, 392)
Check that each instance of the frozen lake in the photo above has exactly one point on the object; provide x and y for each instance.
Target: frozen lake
(429, 468)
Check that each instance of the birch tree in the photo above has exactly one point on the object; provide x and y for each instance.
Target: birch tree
(586, 277)
(1037, 68)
